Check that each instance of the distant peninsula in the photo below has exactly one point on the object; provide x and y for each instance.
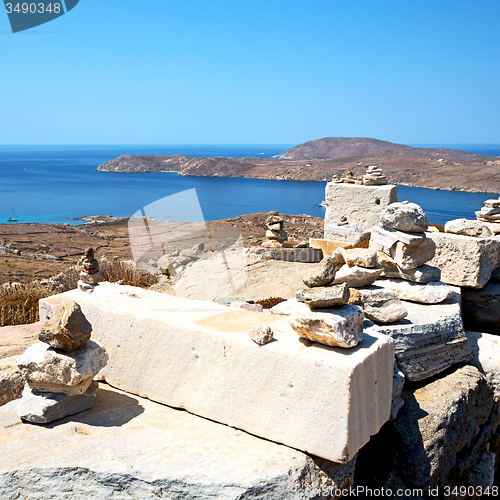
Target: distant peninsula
(319, 160)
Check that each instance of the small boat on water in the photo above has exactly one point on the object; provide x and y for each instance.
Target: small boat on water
(13, 218)
(323, 204)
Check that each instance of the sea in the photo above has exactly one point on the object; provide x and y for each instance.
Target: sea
(60, 184)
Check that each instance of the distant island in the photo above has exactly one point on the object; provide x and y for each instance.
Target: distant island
(319, 160)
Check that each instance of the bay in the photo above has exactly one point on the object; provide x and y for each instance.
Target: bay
(57, 184)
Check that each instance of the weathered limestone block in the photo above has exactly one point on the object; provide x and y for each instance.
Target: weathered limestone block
(428, 293)
(68, 330)
(323, 275)
(42, 364)
(398, 382)
(411, 257)
(486, 356)
(340, 327)
(384, 238)
(202, 361)
(286, 254)
(467, 228)
(70, 390)
(355, 276)
(361, 205)
(464, 260)
(11, 380)
(126, 447)
(407, 217)
(430, 339)
(483, 304)
(382, 305)
(328, 247)
(360, 257)
(421, 274)
(45, 407)
(353, 234)
(444, 427)
(324, 296)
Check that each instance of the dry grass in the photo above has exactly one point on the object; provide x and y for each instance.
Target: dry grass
(19, 301)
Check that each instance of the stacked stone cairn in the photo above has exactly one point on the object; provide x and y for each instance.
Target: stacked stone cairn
(90, 274)
(276, 236)
(490, 212)
(374, 177)
(59, 370)
(328, 318)
(401, 243)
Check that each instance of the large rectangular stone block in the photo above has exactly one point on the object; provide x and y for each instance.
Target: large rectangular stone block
(360, 204)
(197, 355)
(465, 260)
(430, 339)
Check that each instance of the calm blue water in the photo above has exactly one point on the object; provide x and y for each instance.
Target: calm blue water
(59, 183)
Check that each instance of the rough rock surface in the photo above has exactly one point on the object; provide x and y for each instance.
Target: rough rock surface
(126, 447)
(67, 330)
(342, 327)
(324, 296)
(467, 228)
(384, 238)
(464, 260)
(421, 274)
(486, 356)
(407, 217)
(11, 380)
(261, 334)
(398, 382)
(444, 428)
(361, 205)
(323, 275)
(45, 407)
(428, 293)
(482, 305)
(353, 234)
(411, 257)
(203, 361)
(382, 305)
(328, 247)
(430, 339)
(305, 255)
(355, 276)
(43, 364)
(360, 257)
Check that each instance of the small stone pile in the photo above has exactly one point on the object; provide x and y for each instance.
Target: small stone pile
(328, 319)
(350, 179)
(404, 249)
(374, 177)
(89, 271)
(402, 245)
(490, 212)
(360, 267)
(276, 237)
(59, 370)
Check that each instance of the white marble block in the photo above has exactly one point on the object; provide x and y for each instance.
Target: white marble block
(197, 355)
(361, 205)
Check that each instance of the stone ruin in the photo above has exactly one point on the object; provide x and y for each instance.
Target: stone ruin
(59, 370)
(322, 373)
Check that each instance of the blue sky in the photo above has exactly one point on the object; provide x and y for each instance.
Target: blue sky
(241, 72)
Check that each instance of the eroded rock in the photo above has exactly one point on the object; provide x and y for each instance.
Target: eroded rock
(324, 296)
(342, 327)
(355, 276)
(382, 305)
(407, 217)
(68, 330)
(261, 334)
(428, 293)
(323, 275)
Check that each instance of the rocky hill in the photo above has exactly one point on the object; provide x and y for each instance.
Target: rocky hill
(319, 160)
